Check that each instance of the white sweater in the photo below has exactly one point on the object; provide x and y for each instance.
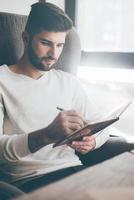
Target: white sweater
(26, 105)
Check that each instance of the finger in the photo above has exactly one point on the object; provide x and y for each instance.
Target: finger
(88, 138)
(74, 126)
(76, 120)
(84, 149)
(70, 127)
(84, 145)
(74, 113)
(67, 131)
(81, 149)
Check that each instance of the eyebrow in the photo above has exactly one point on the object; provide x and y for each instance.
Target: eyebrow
(49, 41)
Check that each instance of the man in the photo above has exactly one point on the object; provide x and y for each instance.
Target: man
(30, 92)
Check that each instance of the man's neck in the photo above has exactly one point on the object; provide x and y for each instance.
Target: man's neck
(24, 67)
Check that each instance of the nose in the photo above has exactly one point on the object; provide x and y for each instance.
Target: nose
(52, 52)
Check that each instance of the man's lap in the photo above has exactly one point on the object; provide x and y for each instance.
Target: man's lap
(40, 181)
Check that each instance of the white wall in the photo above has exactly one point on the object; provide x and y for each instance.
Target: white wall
(16, 6)
(23, 6)
(60, 3)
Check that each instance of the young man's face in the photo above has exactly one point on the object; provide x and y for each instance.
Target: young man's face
(45, 48)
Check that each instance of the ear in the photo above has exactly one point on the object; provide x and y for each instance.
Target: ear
(25, 38)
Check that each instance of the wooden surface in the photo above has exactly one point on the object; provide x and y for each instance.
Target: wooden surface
(112, 179)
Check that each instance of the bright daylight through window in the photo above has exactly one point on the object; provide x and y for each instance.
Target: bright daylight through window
(106, 26)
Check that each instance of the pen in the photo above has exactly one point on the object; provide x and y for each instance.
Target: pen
(61, 109)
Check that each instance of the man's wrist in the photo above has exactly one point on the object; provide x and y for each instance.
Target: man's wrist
(37, 140)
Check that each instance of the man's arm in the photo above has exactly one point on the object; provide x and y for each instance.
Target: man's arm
(14, 147)
(64, 124)
(38, 139)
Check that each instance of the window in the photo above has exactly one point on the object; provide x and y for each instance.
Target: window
(106, 26)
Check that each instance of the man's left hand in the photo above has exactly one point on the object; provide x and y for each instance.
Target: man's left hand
(87, 144)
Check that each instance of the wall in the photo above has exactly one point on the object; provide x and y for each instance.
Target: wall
(60, 3)
(22, 6)
(15, 6)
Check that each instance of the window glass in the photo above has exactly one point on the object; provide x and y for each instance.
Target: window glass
(106, 25)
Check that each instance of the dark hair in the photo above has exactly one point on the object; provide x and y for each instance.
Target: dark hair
(49, 17)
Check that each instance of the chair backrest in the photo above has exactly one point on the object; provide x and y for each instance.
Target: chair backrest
(11, 44)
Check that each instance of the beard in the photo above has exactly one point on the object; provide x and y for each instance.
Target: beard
(38, 62)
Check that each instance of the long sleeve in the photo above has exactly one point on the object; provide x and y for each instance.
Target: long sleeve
(12, 147)
(30, 105)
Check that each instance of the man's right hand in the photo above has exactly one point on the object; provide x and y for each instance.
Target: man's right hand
(65, 123)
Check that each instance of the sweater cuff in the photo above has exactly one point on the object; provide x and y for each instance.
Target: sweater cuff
(101, 137)
(20, 143)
